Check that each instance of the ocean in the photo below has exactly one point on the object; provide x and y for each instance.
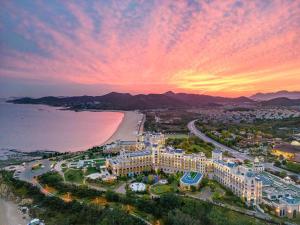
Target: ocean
(39, 127)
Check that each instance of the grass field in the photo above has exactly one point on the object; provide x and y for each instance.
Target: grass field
(176, 136)
(91, 170)
(161, 189)
(73, 175)
(292, 166)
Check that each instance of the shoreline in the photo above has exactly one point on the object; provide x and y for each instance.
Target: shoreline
(10, 214)
(129, 128)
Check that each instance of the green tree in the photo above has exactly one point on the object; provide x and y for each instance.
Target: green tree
(277, 163)
(112, 196)
(169, 201)
(283, 174)
(176, 217)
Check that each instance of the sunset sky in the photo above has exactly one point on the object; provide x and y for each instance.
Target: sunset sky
(220, 47)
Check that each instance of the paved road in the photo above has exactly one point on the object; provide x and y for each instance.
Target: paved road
(121, 189)
(28, 175)
(198, 133)
(58, 168)
(235, 153)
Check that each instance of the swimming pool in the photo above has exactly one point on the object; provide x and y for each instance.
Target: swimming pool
(191, 178)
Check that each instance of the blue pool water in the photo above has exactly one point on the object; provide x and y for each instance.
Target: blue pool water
(189, 179)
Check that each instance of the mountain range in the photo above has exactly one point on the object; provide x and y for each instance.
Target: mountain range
(279, 94)
(170, 100)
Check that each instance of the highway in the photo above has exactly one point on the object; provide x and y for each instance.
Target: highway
(223, 148)
(234, 153)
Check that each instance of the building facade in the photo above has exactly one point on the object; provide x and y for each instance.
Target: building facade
(168, 160)
(281, 194)
(241, 180)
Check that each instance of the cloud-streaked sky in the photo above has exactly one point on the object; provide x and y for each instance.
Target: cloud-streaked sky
(216, 47)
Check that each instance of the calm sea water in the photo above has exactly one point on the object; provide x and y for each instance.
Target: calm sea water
(37, 127)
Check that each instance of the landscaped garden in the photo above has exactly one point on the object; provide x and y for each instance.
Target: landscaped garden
(94, 207)
(223, 195)
(90, 170)
(159, 189)
(74, 175)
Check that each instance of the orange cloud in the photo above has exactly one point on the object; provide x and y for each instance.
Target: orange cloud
(223, 47)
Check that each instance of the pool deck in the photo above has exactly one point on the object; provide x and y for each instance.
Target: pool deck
(191, 178)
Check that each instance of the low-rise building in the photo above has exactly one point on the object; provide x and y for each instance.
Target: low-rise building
(280, 194)
(120, 145)
(189, 180)
(288, 151)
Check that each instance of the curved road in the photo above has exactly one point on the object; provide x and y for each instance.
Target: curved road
(235, 153)
(223, 148)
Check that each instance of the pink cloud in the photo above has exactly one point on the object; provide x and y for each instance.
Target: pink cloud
(219, 49)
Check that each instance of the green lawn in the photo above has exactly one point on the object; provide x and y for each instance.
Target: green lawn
(176, 136)
(224, 195)
(159, 189)
(292, 166)
(100, 162)
(73, 175)
(91, 170)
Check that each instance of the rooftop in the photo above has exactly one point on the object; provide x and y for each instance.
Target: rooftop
(274, 184)
(291, 200)
(287, 148)
(217, 151)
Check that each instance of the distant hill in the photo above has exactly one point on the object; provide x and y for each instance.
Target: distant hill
(126, 101)
(281, 102)
(279, 94)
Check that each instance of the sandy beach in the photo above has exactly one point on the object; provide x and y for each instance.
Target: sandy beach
(129, 128)
(10, 215)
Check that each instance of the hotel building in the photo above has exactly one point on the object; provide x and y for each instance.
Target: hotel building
(168, 160)
(241, 180)
(281, 194)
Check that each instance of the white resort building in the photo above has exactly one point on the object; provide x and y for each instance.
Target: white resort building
(248, 181)
(169, 160)
(242, 180)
